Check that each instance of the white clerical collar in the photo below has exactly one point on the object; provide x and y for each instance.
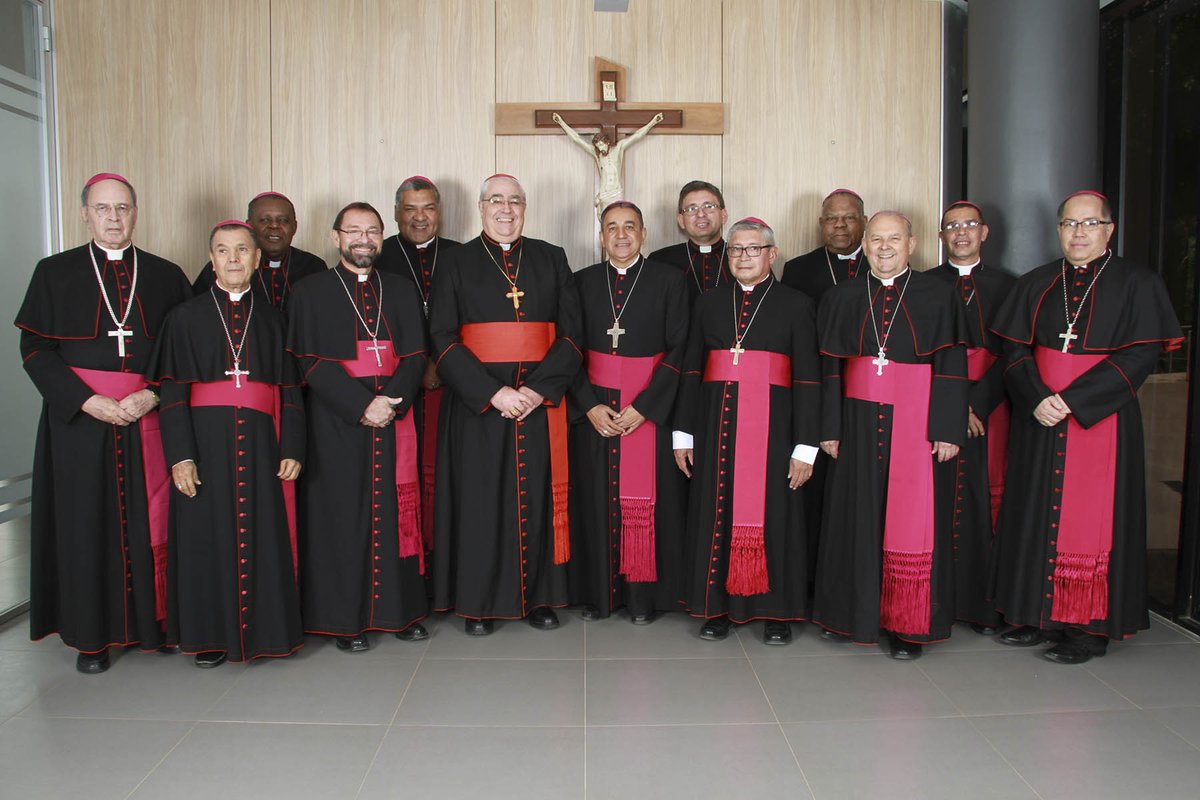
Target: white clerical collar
(849, 256)
(111, 255)
(423, 245)
(505, 246)
(965, 271)
(704, 248)
(274, 264)
(234, 296)
(749, 287)
(891, 280)
(363, 277)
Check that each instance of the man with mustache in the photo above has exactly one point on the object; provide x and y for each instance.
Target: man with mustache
(701, 215)
(360, 338)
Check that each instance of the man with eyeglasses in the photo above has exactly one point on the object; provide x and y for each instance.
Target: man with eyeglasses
(505, 330)
(839, 257)
(701, 216)
(977, 473)
(746, 433)
(272, 217)
(1082, 334)
(359, 335)
(627, 499)
(894, 408)
(413, 254)
(100, 485)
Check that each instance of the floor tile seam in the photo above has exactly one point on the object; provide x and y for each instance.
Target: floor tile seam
(940, 690)
(502, 658)
(37, 695)
(1110, 687)
(1175, 626)
(1056, 712)
(1190, 743)
(1005, 759)
(898, 718)
(160, 761)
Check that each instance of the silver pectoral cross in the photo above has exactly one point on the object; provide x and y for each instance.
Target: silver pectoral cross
(376, 347)
(237, 372)
(122, 334)
(737, 350)
(880, 362)
(615, 332)
(1067, 337)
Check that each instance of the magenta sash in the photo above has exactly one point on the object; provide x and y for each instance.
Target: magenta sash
(119, 385)
(637, 470)
(979, 361)
(263, 398)
(755, 373)
(904, 601)
(1085, 521)
(408, 502)
(431, 406)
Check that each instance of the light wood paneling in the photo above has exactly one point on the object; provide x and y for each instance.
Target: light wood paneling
(171, 94)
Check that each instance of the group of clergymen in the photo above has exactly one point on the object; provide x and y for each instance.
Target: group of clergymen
(284, 448)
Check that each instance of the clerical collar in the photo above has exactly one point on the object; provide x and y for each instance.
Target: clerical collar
(623, 270)
(111, 255)
(274, 264)
(505, 246)
(965, 271)
(891, 280)
(234, 296)
(849, 256)
(1100, 259)
(361, 278)
(423, 245)
(750, 287)
(705, 248)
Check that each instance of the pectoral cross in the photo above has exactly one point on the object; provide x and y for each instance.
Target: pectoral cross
(237, 372)
(122, 334)
(880, 362)
(376, 347)
(615, 331)
(737, 350)
(1067, 337)
(515, 295)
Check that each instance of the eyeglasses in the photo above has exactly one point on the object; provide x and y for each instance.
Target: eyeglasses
(1088, 225)
(358, 233)
(102, 210)
(833, 219)
(752, 250)
(695, 209)
(965, 225)
(495, 201)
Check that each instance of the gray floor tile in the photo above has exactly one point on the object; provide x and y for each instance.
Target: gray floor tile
(1153, 675)
(683, 762)
(14, 635)
(355, 688)
(496, 763)
(1160, 633)
(511, 639)
(138, 686)
(26, 674)
(673, 691)
(849, 687)
(670, 636)
(1016, 681)
(255, 760)
(1184, 721)
(926, 758)
(1097, 755)
(806, 641)
(72, 758)
(503, 692)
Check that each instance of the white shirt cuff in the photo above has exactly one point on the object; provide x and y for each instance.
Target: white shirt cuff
(681, 440)
(185, 461)
(805, 452)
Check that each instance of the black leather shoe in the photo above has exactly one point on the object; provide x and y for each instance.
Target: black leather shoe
(1024, 636)
(715, 629)
(1071, 653)
(93, 663)
(983, 630)
(834, 636)
(210, 659)
(477, 627)
(643, 619)
(353, 644)
(777, 632)
(543, 619)
(591, 614)
(902, 650)
(413, 633)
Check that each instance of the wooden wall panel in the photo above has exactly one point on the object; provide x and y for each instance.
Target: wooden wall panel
(172, 95)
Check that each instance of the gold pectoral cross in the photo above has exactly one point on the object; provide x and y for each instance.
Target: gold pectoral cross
(515, 295)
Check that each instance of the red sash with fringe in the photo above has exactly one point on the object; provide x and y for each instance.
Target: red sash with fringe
(509, 342)
(408, 503)
(904, 602)
(1085, 521)
(154, 467)
(979, 361)
(755, 373)
(630, 376)
(263, 398)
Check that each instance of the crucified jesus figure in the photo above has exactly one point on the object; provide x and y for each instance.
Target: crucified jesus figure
(609, 158)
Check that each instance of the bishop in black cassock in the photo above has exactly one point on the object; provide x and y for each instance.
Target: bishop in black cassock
(747, 432)
(233, 431)
(360, 338)
(895, 389)
(99, 515)
(701, 258)
(1081, 334)
(505, 325)
(273, 218)
(627, 498)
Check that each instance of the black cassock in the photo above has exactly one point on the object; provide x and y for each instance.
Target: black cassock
(976, 496)
(271, 283)
(401, 257)
(703, 266)
(1127, 322)
(93, 572)
(494, 509)
(775, 319)
(352, 575)
(924, 329)
(231, 574)
(653, 305)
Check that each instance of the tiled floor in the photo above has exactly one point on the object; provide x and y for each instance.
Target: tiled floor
(606, 710)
